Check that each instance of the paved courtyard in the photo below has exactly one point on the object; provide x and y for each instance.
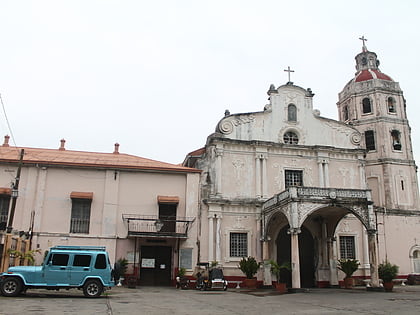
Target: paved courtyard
(168, 300)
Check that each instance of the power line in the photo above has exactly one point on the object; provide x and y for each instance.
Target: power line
(7, 121)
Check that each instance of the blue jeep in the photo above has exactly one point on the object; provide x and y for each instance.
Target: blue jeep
(64, 267)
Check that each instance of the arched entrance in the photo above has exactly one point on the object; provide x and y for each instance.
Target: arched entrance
(306, 256)
(307, 209)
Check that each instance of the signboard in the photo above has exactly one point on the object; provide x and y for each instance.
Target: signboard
(148, 263)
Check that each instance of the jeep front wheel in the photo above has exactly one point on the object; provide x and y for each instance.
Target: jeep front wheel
(93, 288)
(11, 286)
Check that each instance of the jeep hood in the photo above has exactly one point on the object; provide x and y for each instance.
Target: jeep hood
(23, 269)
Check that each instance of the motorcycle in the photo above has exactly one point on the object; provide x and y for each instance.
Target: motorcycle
(211, 279)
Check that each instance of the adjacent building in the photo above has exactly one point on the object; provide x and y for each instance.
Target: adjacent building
(136, 207)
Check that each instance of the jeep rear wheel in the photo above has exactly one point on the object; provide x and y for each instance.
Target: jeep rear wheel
(11, 286)
(93, 288)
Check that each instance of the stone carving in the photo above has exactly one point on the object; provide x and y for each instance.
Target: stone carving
(305, 209)
(238, 164)
(344, 175)
(291, 97)
(226, 126)
(278, 179)
(309, 177)
(355, 138)
(238, 224)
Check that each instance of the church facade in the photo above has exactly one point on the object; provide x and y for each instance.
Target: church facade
(288, 185)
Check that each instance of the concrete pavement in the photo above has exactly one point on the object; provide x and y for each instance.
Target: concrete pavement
(168, 300)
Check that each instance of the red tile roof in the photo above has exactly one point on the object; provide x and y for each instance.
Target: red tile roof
(58, 157)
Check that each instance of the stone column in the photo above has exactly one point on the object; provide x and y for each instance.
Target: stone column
(332, 262)
(324, 244)
(267, 267)
(258, 177)
(373, 259)
(294, 238)
(218, 249)
(321, 174)
(326, 175)
(219, 154)
(211, 233)
(264, 176)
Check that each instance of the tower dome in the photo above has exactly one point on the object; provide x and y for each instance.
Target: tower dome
(367, 66)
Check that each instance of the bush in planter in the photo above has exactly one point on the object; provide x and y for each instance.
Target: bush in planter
(249, 266)
(387, 272)
(276, 269)
(120, 269)
(348, 266)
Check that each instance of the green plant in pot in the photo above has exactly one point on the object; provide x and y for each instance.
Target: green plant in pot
(348, 266)
(120, 269)
(388, 272)
(276, 269)
(249, 266)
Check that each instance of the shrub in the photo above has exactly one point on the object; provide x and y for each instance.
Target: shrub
(387, 271)
(348, 266)
(249, 266)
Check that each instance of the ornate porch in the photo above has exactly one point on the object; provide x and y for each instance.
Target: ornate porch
(326, 207)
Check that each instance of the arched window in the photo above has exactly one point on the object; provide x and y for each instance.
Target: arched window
(391, 105)
(396, 140)
(367, 105)
(346, 113)
(291, 112)
(290, 138)
(416, 261)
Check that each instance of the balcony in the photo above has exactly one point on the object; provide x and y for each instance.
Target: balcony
(153, 226)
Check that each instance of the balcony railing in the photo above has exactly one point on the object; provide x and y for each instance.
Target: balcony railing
(153, 226)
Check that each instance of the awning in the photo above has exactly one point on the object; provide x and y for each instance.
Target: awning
(81, 195)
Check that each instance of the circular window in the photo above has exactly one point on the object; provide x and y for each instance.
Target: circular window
(290, 138)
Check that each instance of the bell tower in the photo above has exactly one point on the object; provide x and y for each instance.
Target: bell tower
(374, 104)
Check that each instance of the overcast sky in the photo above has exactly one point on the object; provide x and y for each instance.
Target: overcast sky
(157, 76)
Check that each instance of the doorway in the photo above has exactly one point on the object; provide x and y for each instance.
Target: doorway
(306, 256)
(155, 265)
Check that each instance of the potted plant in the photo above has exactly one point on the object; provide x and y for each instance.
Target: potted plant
(388, 272)
(276, 269)
(348, 266)
(249, 266)
(120, 269)
(181, 279)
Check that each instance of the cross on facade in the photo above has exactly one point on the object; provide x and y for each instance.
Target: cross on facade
(363, 39)
(288, 70)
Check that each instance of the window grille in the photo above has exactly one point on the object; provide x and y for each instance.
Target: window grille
(290, 138)
(80, 216)
(347, 247)
(293, 178)
(238, 244)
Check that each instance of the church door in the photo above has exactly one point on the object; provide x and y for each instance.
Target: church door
(306, 256)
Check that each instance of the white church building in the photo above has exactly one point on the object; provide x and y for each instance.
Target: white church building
(286, 184)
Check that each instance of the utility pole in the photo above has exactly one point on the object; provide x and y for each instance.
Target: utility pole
(15, 193)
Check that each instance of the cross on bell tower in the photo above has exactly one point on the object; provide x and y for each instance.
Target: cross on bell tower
(363, 39)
